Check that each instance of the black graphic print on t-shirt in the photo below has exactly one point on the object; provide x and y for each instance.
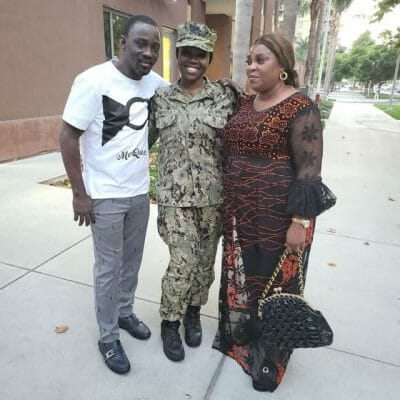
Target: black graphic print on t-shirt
(134, 114)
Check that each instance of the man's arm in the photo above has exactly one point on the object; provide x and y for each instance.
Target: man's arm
(81, 202)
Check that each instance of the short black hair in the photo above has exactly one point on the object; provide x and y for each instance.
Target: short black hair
(137, 18)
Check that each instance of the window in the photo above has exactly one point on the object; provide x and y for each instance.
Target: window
(114, 22)
(170, 72)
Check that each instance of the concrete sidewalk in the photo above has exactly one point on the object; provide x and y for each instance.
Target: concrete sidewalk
(354, 96)
(46, 281)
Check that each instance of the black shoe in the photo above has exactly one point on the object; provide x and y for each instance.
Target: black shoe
(172, 342)
(136, 328)
(114, 356)
(191, 321)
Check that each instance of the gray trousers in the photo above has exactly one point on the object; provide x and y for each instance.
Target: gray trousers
(118, 240)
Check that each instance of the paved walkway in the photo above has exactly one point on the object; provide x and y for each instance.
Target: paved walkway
(46, 281)
(353, 96)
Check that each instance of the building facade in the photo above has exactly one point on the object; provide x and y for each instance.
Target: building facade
(46, 43)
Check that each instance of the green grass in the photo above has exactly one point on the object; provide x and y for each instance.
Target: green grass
(394, 112)
(382, 96)
(153, 172)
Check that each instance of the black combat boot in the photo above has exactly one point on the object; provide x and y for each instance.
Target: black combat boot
(172, 342)
(191, 321)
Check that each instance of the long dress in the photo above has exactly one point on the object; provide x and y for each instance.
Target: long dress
(272, 172)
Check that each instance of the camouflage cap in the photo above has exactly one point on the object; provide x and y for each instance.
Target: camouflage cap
(195, 34)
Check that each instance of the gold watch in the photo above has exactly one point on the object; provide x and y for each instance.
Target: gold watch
(302, 221)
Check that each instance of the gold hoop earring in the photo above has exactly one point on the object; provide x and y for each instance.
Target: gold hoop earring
(283, 75)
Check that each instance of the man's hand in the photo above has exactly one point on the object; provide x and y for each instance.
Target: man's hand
(83, 209)
(81, 202)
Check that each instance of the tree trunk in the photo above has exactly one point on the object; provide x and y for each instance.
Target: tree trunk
(276, 16)
(290, 11)
(333, 34)
(315, 12)
(243, 14)
(320, 30)
(339, 7)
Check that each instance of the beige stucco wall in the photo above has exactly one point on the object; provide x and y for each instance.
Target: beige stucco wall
(221, 63)
(45, 44)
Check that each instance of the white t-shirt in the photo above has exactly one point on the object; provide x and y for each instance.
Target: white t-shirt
(112, 109)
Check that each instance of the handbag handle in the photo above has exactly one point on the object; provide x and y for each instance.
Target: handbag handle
(279, 267)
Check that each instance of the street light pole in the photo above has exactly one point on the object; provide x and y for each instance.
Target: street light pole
(396, 70)
(325, 39)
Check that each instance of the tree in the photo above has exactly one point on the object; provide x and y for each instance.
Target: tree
(372, 64)
(367, 62)
(384, 7)
(276, 15)
(316, 14)
(290, 11)
(243, 14)
(338, 7)
(300, 48)
(304, 6)
(343, 67)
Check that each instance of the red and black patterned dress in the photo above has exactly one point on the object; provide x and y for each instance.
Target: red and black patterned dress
(272, 172)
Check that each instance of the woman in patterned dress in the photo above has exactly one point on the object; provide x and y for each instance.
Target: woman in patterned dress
(272, 194)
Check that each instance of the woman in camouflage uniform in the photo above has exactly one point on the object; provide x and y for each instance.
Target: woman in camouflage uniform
(186, 117)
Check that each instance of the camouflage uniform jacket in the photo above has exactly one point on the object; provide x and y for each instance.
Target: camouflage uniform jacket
(190, 151)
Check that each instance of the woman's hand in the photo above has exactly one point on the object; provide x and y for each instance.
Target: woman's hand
(295, 238)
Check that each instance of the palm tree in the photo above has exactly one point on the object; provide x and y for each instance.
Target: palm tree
(292, 8)
(304, 6)
(316, 14)
(290, 11)
(243, 14)
(338, 7)
(276, 15)
(301, 47)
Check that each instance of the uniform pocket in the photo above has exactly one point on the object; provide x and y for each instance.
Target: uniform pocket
(164, 119)
(216, 121)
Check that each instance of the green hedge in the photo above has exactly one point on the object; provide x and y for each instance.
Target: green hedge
(325, 108)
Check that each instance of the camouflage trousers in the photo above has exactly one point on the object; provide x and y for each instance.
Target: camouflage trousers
(192, 235)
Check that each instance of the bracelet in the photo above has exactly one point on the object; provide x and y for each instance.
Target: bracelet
(304, 222)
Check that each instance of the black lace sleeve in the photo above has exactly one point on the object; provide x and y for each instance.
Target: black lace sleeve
(308, 196)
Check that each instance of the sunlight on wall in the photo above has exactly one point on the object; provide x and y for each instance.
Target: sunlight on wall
(167, 58)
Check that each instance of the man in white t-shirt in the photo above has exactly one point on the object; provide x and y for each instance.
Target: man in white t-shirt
(105, 127)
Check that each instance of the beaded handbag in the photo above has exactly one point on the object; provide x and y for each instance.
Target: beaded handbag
(286, 320)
